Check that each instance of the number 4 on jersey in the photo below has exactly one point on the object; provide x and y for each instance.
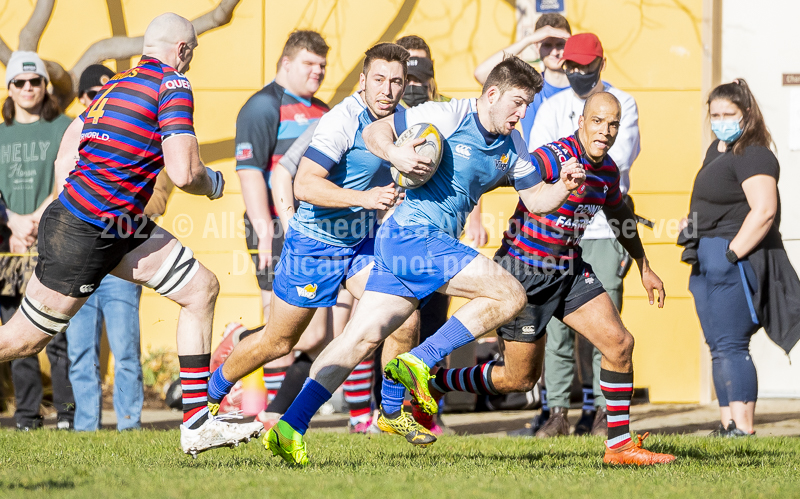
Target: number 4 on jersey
(96, 111)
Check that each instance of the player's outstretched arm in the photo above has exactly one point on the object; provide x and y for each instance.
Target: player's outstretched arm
(312, 186)
(544, 198)
(623, 222)
(186, 170)
(379, 138)
(486, 67)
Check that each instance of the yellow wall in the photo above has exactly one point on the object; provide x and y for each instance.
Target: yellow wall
(654, 53)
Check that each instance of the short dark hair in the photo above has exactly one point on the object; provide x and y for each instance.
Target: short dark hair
(513, 72)
(390, 52)
(414, 42)
(50, 109)
(304, 39)
(754, 128)
(555, 20)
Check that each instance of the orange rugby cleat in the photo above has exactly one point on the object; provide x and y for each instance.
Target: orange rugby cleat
(633, 453)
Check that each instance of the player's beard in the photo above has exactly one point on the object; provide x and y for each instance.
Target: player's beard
(497, 122)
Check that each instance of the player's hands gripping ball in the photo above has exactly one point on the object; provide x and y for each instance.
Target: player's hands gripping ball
(572, 174)
(417, 155)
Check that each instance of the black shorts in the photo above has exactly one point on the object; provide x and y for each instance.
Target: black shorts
(549, 295)
(74, 256)
(267, 274)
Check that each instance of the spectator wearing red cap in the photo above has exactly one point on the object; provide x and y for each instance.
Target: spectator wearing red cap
(549, 37)
(583, 62)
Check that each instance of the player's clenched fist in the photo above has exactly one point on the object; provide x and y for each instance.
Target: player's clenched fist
(379, 198)
(572, 174)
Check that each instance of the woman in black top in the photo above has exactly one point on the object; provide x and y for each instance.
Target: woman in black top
(735, 209)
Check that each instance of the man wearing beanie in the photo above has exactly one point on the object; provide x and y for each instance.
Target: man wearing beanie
(29, 137)
(92, 80)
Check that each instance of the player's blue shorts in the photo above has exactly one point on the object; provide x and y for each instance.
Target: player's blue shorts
(415, 260)
(310, 272)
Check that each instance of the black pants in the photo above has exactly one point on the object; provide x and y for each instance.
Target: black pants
(26, 375)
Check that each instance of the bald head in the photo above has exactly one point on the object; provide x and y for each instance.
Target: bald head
(171, 39)
(599, 125)
(602, 100)
(168, 29)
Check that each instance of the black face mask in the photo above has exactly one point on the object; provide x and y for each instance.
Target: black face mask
(583, 84)
(414, 95)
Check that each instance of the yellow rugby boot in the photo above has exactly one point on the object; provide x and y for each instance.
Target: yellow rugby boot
(411, 372)
(286, 443)
(401, 423)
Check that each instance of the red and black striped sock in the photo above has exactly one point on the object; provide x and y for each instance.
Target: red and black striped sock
(618, 391)
(358, 391)
(194, 385)
(475, 379)
(273, 379)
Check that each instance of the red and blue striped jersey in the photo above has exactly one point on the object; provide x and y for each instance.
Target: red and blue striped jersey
(120, 145)
(551, 242)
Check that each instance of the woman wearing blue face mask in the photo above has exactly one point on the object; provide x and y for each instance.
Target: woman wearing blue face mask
(736, 252)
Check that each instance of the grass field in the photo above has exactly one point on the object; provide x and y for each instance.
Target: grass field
(150, 464)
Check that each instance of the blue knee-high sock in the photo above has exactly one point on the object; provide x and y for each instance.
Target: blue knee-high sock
(392, 395)
(218, 386)
(450, 336)
(305, 405)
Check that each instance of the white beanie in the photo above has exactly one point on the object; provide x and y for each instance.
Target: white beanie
(25, 62)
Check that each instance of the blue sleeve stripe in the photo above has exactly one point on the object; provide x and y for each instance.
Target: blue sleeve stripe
(400, 121)
(320, 158)
(526, 182)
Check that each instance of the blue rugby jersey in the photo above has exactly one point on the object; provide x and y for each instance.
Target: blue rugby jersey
(474, 161)
(338, 147)
(120, 145)
(551, 242)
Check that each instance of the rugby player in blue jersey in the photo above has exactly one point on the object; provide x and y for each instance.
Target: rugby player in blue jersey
(543, 254)
(330, 241)
(417, 251)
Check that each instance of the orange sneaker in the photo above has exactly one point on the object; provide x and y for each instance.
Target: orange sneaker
(633, 453)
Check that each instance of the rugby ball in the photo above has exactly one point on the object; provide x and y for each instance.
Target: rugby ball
(431, 148)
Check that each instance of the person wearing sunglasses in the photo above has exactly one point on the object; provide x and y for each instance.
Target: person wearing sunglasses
(91, 81)
(29, 136)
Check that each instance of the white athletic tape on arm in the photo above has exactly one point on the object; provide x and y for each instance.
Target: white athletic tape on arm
(44, 318)
(177, 270)
(216, 183)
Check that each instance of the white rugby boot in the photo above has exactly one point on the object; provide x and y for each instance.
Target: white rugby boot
(215, 432)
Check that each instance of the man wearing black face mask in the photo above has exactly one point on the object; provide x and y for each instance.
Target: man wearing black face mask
(420, 73)
(583, 62)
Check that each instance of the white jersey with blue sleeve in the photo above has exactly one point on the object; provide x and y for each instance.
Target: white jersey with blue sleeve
(338, 147)
(474, 161)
